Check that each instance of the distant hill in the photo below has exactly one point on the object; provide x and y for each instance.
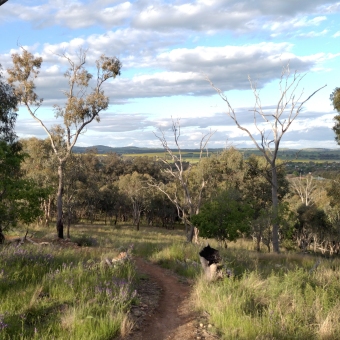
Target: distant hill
(308, 154)
(102, 149)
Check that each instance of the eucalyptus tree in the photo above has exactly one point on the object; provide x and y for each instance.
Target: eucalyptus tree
(267, 141)
(305, 188)
(39, 166)
(226, 217)
(83, 104)
(20, 198)
(335, 100)
(134, 186)
(89, 186)
(257, 190)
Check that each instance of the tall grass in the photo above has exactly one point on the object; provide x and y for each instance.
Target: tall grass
(49, 293)
(292, 301)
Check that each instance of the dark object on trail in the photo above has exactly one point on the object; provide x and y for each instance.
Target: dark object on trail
(210, 260)
(210, 254)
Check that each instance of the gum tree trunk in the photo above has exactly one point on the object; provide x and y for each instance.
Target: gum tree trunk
(275, 202)
(60, 224)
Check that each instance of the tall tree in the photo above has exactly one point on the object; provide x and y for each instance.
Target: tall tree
(134, 186)
(304, 188)
(256, 189)
(39, 166)
(288, 108)
(335, 99)
(83, 104)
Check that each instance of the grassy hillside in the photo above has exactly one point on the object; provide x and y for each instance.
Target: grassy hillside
(67, 293)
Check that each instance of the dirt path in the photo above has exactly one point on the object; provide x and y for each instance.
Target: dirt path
(165, 312)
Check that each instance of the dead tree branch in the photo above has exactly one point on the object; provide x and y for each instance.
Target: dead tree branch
(288, 108)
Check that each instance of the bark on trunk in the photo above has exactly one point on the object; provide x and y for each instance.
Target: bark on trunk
(60, 225)
(2, 236)
(68, 223)
(190, 235)
(275, 201)
(137, 220)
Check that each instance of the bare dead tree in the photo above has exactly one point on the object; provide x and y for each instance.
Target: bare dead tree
(288, 108)
(186, 200)
(304, 187)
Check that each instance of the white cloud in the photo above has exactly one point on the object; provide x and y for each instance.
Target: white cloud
(181, 71)
(242, 16)
(336, 35)
(313, 34)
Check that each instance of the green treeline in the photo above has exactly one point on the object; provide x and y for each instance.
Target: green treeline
(112, 188)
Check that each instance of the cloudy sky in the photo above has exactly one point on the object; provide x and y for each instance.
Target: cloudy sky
(168, 49)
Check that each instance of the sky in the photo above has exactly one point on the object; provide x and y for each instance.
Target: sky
(168, 50)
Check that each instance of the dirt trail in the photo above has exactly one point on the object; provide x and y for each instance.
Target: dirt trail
(171, 317)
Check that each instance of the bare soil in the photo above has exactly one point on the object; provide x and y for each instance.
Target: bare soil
(165, 310)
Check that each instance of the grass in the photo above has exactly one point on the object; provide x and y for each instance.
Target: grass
(63, 293)
(58, 293)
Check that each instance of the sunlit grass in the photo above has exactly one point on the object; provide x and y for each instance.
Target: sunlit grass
(68, 293)
(57, 293)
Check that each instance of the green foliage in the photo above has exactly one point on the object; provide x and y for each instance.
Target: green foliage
(311, 217)
(226, 217)
(335, 99)
(19, 198)
(8, 103)
(257, 183)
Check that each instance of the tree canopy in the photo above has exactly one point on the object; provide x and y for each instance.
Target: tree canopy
(225, 218)
(8, 115)
(335, 100)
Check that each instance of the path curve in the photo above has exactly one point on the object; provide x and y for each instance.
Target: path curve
(173, 317)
